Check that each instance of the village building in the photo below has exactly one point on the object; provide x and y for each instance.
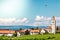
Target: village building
(58, 29)
(49, 29)
(7, 32)
(42, 31)
(34, 32)
(18, 34)
(21, 32)
(52, 27)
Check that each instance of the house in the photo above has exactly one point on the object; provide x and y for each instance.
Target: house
(35, 31)
(7, 32)
(21, 32)
(18, 34)
(58, 29)
(49, 29)
(42, 31)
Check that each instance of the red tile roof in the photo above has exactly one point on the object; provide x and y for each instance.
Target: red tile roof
(49, 27)
(7, 31)
(34, 31)
(20, 30)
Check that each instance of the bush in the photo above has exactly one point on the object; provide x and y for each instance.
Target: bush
(15, 34)
(3, 35)
(46, 32)
(27, 32)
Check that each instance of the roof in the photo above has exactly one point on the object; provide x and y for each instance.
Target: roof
(43, 30)
(34, 31)
(49, 27)
(20, 30)
(7, 31)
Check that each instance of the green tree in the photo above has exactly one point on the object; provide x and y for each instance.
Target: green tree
(20, 28)
(15, 34)
(36, 28)
(32, 28)
(46, 32)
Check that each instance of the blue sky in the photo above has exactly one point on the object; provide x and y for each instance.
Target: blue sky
(29, 9)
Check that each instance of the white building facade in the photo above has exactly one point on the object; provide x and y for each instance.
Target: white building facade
(53, 25)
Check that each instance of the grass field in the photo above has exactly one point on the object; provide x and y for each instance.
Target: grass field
(33, 37)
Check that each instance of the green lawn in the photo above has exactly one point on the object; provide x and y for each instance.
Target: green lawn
(34, 37)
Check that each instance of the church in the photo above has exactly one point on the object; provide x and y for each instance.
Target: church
(52, 27)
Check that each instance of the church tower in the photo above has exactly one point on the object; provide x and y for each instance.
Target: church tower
(53, 25)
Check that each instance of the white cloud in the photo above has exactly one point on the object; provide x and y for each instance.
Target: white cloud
(43, 23)
(24, 19)
(39, 20)
(12, 21)
(49, 18)
(57, 18)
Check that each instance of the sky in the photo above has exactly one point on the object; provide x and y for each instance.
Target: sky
(29, 12)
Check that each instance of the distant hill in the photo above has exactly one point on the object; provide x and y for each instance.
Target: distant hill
(20, 26)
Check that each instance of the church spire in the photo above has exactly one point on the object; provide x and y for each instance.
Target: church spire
(53, 18)
(53, 25)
